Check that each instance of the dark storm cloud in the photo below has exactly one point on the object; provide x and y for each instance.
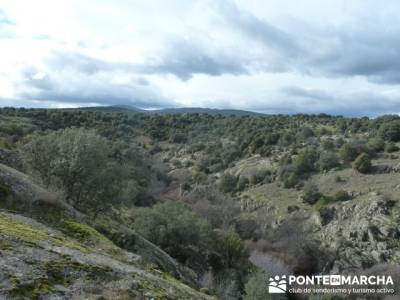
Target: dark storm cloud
(362, 48)
(84, 64)
(88, 89)
(313, 94)
(249, 25)
(364, 51)
(362, 103)
(181, 58)
(184, 59)
(370, 50)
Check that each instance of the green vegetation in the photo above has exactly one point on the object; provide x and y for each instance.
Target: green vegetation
(193, 194)
(390, 131)
(256, 287)
(362, 163)
(311, 193)
(327, 160)
(79, 162)
(177, 230)
(4, 190)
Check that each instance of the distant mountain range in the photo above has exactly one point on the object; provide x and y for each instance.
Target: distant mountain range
(179, 110)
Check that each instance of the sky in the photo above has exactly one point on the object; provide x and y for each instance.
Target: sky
(273, 56)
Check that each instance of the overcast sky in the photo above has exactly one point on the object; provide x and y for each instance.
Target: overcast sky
(272, 56)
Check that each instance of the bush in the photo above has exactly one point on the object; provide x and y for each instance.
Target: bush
(305, 134)
(256, 287)
(78, 161)
(229, 252)
(342, 195)
(259, 176)
(338, 178)
(327, 160)
(391, 147)
(311, 193)
(390, 131)
(376, 145)
(288, 176)
(305, 161)
(362, 163)
(328, 144)
(176, 230)
(228, 182)
(349, 151)
(4, 190)
(242, 183)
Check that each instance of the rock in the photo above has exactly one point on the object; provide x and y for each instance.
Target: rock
(361, 231)
(149, 296)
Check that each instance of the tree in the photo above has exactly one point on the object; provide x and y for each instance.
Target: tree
(390, 131)
(229, 258)
(177, 230)
(391, 147)
(311, 193)
(228, 182)
(242, 183)
(362, 163)
(229, 253)
(349, 151)
(376, 145)
(305, 161)
(77, 161)
(256, 287)
(327, 160)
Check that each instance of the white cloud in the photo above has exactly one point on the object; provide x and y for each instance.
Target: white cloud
(273, 56)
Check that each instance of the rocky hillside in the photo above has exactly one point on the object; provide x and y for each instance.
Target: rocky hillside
(217, 202)
(62, 257)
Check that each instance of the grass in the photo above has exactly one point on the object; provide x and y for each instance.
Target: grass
(33, 236)
(12, 228)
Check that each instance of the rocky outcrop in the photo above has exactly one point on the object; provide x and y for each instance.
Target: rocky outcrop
(363, 232)
(40, 262)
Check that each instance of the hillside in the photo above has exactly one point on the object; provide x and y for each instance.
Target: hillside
(218, 202)
(181, 110)
(60, 255)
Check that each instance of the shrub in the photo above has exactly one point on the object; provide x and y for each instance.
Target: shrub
(390, 131)
(176, 229)
(362, 163)
(259, 176)
(349, 151)
(178, 138)
(305, 134)
(327, 160)
(288, 176)
(342, 195)
(230, 252)
(176, 163)
(256, 287)
(376, 145)
(78, 161)
(338, 178)
(291, 181)
(242, 183)
(305, 161)
(228, 182)
(4, 190)
(391, 147)
(328, 144)
(311, 193)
